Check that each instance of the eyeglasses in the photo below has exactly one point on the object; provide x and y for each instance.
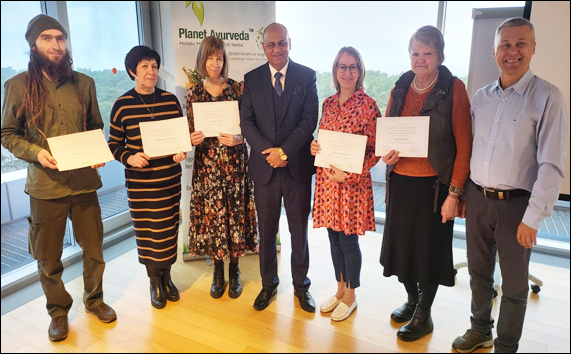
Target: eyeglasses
(352, 69)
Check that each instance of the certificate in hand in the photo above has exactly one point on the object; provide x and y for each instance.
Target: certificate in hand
(213, 118)
(78, 150)
(165, 137)
(407, 135)
(342, 150)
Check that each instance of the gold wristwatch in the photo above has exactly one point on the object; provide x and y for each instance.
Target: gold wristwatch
(283, 156)
(455, 190)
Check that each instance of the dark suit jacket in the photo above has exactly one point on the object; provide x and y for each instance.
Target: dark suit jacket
(293, 131)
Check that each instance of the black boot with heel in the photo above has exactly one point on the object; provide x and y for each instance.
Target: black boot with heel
(235, 289)
(171, 292)
(158, 299)
(218, 282)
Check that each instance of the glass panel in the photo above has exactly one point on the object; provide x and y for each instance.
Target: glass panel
(15, 203)
(15, 56)
(379, 30)
(103, 33)
(458, 32)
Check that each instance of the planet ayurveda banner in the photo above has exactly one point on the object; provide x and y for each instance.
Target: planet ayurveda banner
(239, 24)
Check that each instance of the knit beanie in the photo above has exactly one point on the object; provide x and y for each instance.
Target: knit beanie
(39, 24)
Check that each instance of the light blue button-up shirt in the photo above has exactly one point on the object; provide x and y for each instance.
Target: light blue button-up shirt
(520, 141)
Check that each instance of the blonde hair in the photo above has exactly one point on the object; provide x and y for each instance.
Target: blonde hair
(360, 65)
(209, 46)
(429, 36)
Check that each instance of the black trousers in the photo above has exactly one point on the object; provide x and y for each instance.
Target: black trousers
(297, 200)
(45, 236)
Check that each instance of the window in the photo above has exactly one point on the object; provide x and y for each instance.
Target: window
(100, 35)
(379, 30)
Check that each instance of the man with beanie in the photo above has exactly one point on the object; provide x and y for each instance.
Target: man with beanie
(48, 100)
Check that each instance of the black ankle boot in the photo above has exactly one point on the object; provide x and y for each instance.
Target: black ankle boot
(419, 326)
(171, 292)
(235, 288)
(405, 312)
(218, 282)
(158, 299)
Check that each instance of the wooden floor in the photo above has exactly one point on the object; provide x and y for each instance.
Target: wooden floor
(199, 323)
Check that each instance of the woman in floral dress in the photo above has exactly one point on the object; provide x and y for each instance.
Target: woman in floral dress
(222, 211)
(344, 201)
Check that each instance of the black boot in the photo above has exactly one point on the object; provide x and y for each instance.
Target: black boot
(171, 292)
(405, 312)
(419, 326)
(235, 289)
(158, 299)
(218, 282)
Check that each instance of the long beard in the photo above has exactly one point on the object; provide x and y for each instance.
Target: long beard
(56, 70)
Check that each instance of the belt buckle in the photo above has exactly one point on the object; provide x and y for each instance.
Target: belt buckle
(500, 195)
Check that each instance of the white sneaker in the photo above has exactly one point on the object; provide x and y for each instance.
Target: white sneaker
(343, 311)
(330, 305)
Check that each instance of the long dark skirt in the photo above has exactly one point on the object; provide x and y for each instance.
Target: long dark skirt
(417, 246)
(156, 216)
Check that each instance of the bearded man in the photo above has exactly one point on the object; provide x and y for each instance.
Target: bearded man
(48, 100)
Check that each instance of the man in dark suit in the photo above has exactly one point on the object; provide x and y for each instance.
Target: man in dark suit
(278, 117)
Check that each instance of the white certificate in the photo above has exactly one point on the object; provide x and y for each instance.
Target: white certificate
(407, 135)
(165, 137)
(213, 118)
(78, 150)
(342, 150)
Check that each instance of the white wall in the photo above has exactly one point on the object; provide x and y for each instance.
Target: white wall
(552, 53)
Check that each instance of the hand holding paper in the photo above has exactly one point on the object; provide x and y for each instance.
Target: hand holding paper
(78, 150)
(342, 150)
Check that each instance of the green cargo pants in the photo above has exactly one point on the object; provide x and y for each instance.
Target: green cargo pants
(45, 236)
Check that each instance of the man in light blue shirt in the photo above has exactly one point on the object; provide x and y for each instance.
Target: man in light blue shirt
(520, 127)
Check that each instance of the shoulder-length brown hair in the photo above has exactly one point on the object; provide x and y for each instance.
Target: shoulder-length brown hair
(209, 46)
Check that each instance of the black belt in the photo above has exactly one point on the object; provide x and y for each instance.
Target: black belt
(502, 194)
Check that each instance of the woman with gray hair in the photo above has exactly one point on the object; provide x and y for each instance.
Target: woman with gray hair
(423, 194)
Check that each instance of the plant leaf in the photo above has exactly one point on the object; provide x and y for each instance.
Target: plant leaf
(198, 9)
(188, 4)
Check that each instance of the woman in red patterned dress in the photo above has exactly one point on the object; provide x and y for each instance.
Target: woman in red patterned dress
(344, 201)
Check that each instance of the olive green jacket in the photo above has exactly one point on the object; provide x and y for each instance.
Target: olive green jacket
(25, 142)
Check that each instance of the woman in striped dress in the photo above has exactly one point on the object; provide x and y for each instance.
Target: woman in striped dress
(153, 184)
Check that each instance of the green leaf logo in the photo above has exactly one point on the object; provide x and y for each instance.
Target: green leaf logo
(198, 9)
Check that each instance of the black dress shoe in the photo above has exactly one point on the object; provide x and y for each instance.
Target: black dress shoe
(58, 329)
(305, 300)
(419, 326)
(264, 298)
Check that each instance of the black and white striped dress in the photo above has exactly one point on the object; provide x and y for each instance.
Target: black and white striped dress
(153, 191)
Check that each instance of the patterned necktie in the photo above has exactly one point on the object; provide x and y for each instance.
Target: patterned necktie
(278, 86)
